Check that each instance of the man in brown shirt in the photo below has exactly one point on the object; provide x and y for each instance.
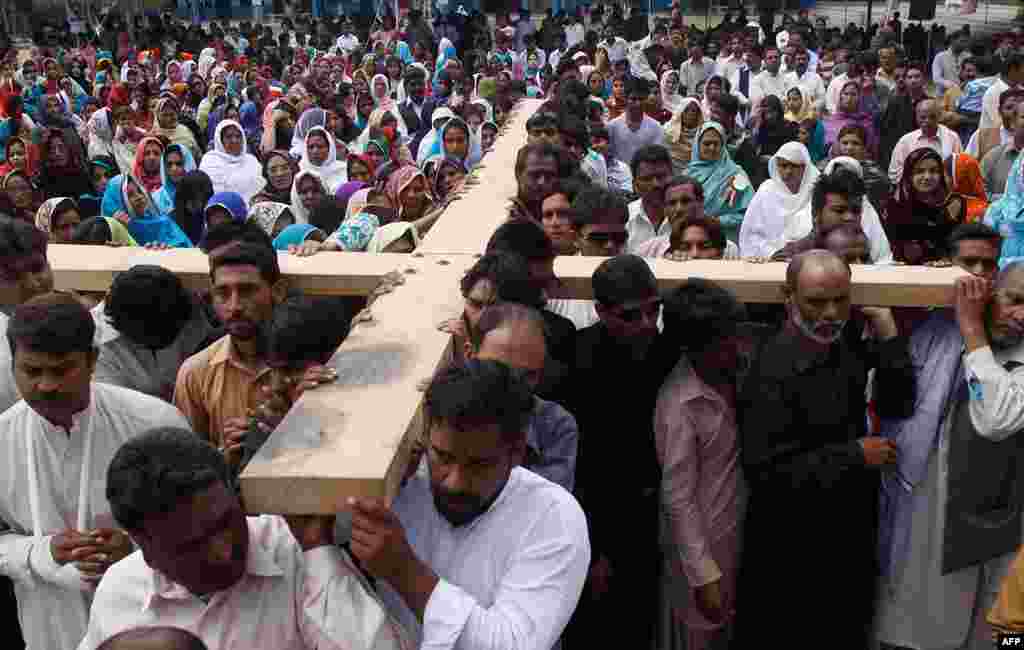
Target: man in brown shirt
(216, 387)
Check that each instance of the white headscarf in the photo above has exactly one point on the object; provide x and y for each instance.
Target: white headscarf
(207, 59)
(310, 118)
(386, 101)
(332, 172)
(773, 217)
(299, 210)
(671, 101)
(878, 242)
(242, 173)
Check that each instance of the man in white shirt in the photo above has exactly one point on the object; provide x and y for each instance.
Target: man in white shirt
(236, 582)
(796, 40)
(652, 170)
(942, 139)
(1011, 77)
(730, 59)
(348, 42)
(24, 273)
(634, 129)
(808, 81)
(615, 44)
(479, 553)
(695, 70)
(574, 31)
(58, 536)
(770, 81)
(742, 79)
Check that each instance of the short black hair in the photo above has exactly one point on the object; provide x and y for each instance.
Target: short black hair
(855, 129)
(52, 323)
(974, 231)
(149, 305)
(524, 238)
(306, 329)
(541, 150)
(841, 181)
(247, 254)
(328, 213)
(622, 279)
(542, 120)
(22, 247)
(94, 230)
(594, 204)
(637, 86)
(152, 472)
(480, 395)
(651, 154)
(575, 128)
(698, 312)
(1010, 93)
(226, 233)
(509, 274)
(599, 131)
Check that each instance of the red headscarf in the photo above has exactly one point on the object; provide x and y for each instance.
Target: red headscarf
(119, 96)
(151, 182)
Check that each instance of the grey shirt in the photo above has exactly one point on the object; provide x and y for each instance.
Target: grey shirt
(552, 438)
(995, 169)
(625, 142)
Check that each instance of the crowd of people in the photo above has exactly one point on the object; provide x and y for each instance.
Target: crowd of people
(811, 470)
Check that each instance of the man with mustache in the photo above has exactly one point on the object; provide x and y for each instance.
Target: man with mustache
(58, 537)
(216, 387)
(477, 552)
(812, 467)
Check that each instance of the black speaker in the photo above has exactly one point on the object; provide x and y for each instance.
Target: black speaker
(922, 9)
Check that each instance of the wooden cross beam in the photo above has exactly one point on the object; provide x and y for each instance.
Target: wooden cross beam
(351, 438)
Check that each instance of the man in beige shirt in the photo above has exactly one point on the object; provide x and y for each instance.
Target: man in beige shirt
(216, 387)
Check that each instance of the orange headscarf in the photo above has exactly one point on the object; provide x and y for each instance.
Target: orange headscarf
(968, 182)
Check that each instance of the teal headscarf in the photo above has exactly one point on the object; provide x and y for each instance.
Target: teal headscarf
(1007, 215)
(164, 197)
(145, 228)
(720, 178)
(294, 235)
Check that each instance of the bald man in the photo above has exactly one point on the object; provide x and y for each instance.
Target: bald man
(929, 134)
(812, 467)
(153, 638)
(514, 335)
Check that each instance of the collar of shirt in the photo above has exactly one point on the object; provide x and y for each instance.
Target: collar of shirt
(692, 387)
(226, 353)
(927, 138)
(1004, 355)
(260, 562)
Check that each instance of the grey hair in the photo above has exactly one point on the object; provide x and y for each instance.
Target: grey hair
(818, 256)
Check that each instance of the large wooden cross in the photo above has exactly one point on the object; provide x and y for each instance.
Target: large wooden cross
(351, 438)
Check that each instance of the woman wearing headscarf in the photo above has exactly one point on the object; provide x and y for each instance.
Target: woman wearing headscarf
(727, 190)
(307, 190)
(54, 114)
(279, 170)
(397, 237)
(321, 156)
(167, 127)
(445, 52)
(229, 109)
(385, 129)
(345, 193)
(230, 166)
(295, 235)
(197, 92)
(965, 174)
(101, 170)
(21, 193)
(19, 154)
(249, 118)
(456, 141)
(190, 199)
(215, 92)
(680, 132)
(361, 167)
(14, 121)
(671, 100)
(148, 162)
(774, 130)
(408, 194)
(272, 217)
(848, 112)
(447, 176)
(380, 89)
(175, 163)
(62, 170)
(310, 118)
(923, 211)
(58, 218)
(791, 178)
(207, 59)
(224, 208)
(126, 201)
